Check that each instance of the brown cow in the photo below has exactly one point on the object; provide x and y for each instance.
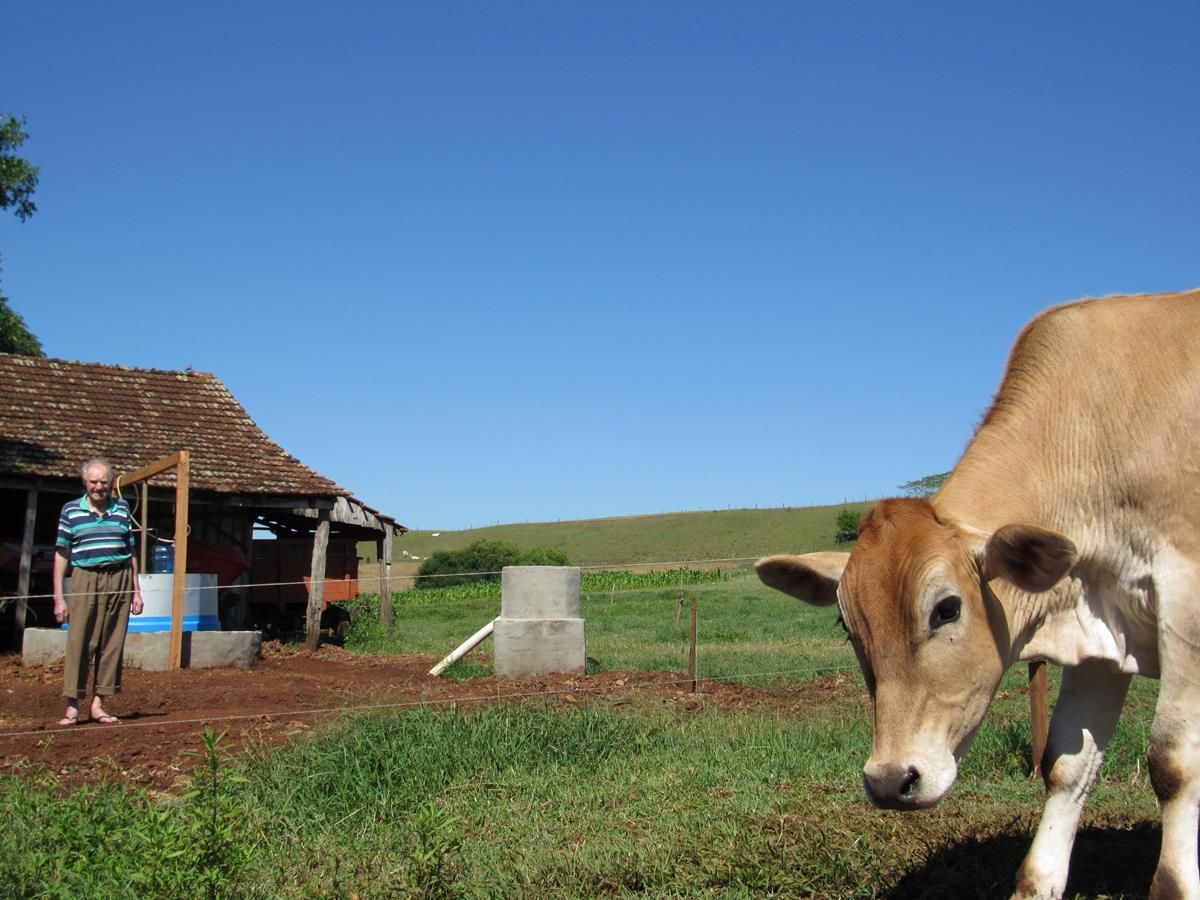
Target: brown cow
(1069, 530)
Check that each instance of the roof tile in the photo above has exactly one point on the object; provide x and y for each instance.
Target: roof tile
(56, 413)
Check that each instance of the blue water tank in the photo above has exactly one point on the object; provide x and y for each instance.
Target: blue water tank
(162, 558)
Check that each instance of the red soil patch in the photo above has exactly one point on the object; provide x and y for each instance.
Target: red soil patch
(289, 692)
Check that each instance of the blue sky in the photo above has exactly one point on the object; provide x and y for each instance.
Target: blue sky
(524, 261)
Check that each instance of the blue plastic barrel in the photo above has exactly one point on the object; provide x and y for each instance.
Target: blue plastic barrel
(162, 558)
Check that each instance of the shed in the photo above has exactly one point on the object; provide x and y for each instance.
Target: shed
(55, 414)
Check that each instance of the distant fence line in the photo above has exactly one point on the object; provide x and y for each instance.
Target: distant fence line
(675, 565)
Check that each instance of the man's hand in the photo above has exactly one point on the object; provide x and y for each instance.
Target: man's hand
(135, 605)
(60, 610)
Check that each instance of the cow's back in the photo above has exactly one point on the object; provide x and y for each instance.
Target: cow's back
(1097, 419)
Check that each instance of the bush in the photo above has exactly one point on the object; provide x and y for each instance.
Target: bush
(847, 525)
(486, 557)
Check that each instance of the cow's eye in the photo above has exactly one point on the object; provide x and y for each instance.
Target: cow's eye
(947, 611)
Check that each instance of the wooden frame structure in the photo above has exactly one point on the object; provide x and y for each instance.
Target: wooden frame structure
(181, 462)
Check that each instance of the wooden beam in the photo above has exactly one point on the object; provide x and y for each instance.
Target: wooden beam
(183, 480)
(155, 468)
(25, 572)
(385, 579)
(49, 484)
(316, 584)
(274, 502)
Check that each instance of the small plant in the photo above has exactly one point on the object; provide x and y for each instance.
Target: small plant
(848, 521)
(431, 858)
(216, 819)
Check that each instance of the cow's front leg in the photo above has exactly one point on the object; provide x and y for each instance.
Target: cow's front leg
(1089, 704)
(1175, 764)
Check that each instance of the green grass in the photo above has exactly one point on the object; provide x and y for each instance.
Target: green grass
(746, 631)
(535, 800)
(670, 537)
(641, 797)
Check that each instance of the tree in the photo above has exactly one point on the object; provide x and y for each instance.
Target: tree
(923, 488)
(18, 181)
(847, 525)
(484, 557)
(15, 336)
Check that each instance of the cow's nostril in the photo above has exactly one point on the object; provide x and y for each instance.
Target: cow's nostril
(892, 786)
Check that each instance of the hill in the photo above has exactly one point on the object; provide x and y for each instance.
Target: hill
(644, 540)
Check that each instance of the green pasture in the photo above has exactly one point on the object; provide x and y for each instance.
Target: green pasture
(670, 537)
(746, 632)
(615, 797)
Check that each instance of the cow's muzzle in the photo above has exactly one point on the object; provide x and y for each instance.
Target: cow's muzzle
(893, 787)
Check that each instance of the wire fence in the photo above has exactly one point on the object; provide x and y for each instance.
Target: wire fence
(679, 568)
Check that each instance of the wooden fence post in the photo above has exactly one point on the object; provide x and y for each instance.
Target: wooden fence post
(316, 586)
(692, 649)
(1039, 709)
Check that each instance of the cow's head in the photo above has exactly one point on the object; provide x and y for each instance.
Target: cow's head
(931, 636)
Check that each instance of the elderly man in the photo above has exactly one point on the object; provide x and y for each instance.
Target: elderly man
(95, 539)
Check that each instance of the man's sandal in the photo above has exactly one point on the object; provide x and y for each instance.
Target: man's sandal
(69, 720)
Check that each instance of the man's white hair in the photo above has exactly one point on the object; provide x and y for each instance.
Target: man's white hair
(96, 462)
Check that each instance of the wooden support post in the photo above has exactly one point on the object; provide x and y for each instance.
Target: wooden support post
(316, 585)
(144, 495)
(386, 615)
(692, 649)
(1039, 708)
(26, 570)
(183, 479)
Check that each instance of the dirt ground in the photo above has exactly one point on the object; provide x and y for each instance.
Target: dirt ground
(287, 692)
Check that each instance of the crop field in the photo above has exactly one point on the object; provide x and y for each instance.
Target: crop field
(748, 787)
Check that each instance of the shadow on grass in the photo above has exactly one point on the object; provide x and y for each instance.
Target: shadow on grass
(1106, 862)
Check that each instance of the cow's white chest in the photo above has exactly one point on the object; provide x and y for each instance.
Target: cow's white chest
(1111, 613)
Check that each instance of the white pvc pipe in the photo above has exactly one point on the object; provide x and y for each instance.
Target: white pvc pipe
(464, 648)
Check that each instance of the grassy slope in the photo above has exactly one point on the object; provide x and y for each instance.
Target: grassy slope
(670, 537)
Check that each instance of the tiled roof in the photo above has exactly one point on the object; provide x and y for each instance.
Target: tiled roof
(55, 413)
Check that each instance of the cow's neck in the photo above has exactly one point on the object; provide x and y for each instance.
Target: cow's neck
(993, 486)
(990, 488)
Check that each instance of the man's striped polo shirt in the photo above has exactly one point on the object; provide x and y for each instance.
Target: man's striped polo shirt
(96, 539)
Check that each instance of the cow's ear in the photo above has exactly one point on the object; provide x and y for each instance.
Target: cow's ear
(1030, 558)
(813, 577)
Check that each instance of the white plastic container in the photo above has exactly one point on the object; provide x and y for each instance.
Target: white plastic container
(199, 603)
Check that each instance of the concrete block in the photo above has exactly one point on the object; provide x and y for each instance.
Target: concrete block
(539, 630)
(539, 592)
(148, 650)
(538, 647)
(43, 646)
